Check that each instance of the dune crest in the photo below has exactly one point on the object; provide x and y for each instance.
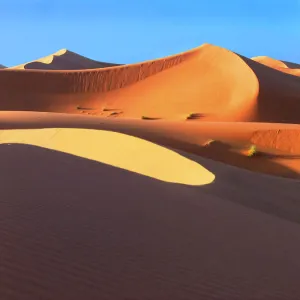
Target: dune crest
(119, 150)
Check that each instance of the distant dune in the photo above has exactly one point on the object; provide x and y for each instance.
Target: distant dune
(290, 68)
(64, 60)
(2, 67)
(174, 178)
(291, 65)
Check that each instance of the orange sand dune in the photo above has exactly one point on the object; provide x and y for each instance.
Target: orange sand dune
(64, 60)
(83, 216)
(176, 178)
(207, 83)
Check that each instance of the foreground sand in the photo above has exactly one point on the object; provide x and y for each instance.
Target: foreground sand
(176, 178)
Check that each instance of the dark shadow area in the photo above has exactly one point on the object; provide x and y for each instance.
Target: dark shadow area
(279, 94)
(196, 116)
(269, 194)
(73, 229)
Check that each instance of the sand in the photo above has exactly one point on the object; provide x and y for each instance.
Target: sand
(176, 178)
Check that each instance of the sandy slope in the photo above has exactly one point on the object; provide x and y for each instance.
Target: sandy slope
(74, 228)
(64, 60)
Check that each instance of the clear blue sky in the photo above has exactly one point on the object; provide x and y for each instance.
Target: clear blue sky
(128, 31)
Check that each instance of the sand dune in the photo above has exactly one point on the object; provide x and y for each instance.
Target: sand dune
(208, 81)
(175, 178)
(64, 60)
(279, 65)
(2, 67)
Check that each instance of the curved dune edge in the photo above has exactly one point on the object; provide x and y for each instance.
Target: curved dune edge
(116, 149)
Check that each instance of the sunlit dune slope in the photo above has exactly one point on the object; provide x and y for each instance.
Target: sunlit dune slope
(115, 149)
(64, 60)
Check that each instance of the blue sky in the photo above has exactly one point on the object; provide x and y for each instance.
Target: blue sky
(128, 31)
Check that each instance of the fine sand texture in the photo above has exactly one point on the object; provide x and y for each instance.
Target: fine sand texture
(176, 178)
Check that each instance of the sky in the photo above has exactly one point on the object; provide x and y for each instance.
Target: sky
(130, 31)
